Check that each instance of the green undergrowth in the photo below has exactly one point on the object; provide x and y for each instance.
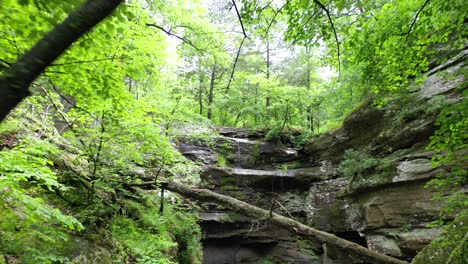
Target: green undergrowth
(60, 204)
(148, 236)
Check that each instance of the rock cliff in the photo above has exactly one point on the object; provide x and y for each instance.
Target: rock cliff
(384, 206)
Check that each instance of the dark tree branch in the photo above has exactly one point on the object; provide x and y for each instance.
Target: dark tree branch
(169, 33)
(235, 64)
(412, 26)
(81, 62)
(324, 8)
(415, 20)
(239, 17)
(6, 62)
(239, 49)
(15, 81)
(56, 89)
(274, 17)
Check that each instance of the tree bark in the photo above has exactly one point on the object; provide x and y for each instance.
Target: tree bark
(310, 114)
(305, 231)
(200, 88)
(211, 93)
(15, 81)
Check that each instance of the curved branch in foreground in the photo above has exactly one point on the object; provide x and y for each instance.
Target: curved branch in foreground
(15, 81)
(322, 6)
(305, 231)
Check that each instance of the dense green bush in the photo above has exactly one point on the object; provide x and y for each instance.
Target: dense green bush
(151, 237)
(356, 162)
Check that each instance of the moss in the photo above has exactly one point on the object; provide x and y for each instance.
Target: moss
(240, 195)
(234, 217)
(363, 182)
(228, 183)
(256, 156)
(224, 154)
(222, 161)
(381, 173)
(451, 247)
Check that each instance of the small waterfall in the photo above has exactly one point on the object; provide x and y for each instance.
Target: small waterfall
(238, 163)
(238, 153)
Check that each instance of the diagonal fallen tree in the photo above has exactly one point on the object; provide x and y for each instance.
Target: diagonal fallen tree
(253, 211)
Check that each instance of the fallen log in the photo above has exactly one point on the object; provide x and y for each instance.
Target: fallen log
(304, 231)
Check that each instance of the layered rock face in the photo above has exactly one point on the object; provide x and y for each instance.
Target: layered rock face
(240, 164)
(385, 207)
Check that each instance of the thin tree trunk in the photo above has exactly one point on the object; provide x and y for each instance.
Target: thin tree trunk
(268, 98)
(310, 117)
(200, 97)
(268, 59)
(200, 87)
(15, 81)
(211, 93)
(305, 231)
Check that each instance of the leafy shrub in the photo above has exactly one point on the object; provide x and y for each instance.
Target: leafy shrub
(356, 162)
(151, 237)
(30, 229)
(450, 142)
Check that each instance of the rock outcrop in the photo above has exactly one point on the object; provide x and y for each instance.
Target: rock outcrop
(386, 207)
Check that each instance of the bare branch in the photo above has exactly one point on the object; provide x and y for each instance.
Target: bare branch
(235, 64)
(239, 49)
(324, 8)
(169, 33)
(56, 89)
(307, 232)
(239, 17)
(412, 26)
(5, 62)
(80, 62)
(415, 20)
(274, 17)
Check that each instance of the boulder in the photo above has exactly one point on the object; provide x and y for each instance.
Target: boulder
(248, 153)
(384, 245)
(198, 152)
(417, 169)
(436, 84)
(401, 242)
(396, 206)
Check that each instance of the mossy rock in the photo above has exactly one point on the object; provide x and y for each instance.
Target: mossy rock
(451, 247)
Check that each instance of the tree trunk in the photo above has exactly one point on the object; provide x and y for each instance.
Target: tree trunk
(310, 113)
(268, 59)
(200, 87)
(305, 231)
(211, 93)
(15, 81)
